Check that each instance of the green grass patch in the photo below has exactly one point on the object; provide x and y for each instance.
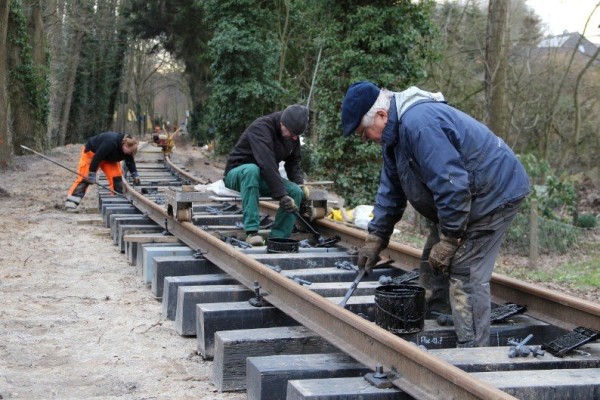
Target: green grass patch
(410, 239)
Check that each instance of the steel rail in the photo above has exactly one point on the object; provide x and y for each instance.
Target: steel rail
(413, 370)
(180, 171)
(550, 306)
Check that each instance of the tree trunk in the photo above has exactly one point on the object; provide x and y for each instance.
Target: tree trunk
(72, 64)
(27, 90)
(55, 32)
(496, 65)
(5, 129)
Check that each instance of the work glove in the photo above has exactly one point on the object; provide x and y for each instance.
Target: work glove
(91, 178)
(442, 252)
(368, 255)
(136, 179)
(305, 191)
(287, 203)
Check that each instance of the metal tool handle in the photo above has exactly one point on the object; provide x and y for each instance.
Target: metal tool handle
(353, 286)
(305, 222)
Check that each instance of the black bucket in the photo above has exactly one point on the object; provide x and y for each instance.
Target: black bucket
(282, 245)
(400, 308)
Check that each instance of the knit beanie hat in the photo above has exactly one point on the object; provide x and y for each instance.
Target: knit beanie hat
(295, 118)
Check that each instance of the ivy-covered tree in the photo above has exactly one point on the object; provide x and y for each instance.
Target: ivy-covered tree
(244, 52)
(27, 78)
(387, 42)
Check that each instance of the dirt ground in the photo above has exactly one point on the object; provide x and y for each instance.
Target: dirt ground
(76, 322)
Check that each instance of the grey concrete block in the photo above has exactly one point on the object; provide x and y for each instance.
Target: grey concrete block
(108, 210)
(189, 296)
(233, 347)
(178, 266)
(546, 384)
(172, 284)
(150, 252)
(125, 229)
(215, 317)
(340, 388)
(267, 377)
(133, 239)
(300, 261)
(119, 219)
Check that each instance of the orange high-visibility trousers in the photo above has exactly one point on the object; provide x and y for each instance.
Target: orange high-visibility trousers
(112, 170)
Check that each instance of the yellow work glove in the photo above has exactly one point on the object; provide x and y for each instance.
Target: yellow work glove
(442, 252)
(305, 191)
(368, 255)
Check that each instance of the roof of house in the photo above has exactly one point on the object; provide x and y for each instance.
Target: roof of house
(569, 40)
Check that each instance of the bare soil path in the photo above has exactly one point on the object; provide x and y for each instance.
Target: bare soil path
(76, 322)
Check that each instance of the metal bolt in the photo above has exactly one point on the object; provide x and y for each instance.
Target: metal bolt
(379, 374)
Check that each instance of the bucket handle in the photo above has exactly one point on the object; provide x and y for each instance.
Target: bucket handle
(401, 319)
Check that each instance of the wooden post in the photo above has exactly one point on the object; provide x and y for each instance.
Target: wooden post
(534, 234)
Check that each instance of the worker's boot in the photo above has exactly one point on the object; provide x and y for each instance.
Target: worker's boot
(255, 239)
(72, 203)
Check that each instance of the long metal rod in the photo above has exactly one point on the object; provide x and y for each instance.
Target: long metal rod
(70, 170)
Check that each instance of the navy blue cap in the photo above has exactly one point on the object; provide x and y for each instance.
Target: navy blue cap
(359, 99)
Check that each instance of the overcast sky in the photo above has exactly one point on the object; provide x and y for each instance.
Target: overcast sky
(569, 15)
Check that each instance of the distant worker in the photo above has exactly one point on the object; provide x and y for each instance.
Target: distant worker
(253, 169)
(455, 172)
(105, 151)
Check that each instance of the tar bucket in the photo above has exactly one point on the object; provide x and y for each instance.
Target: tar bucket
(400, 308)
(282, 245)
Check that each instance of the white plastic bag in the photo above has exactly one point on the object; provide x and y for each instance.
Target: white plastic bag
(217, 188)
(363, 214)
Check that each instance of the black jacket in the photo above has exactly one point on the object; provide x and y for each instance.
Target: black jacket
(108, 146)
(262, 144)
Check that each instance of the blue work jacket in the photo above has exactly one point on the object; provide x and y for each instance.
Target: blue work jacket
(450, 167)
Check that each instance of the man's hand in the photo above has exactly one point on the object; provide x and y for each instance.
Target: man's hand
(287, 203)
(136, 179)
(91, 178)
(368, 255)
(442, 252)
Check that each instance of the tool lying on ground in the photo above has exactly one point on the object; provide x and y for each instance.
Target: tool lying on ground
(70, 170)
(518, 349)
(497, 314)
(359, 276)
(234, 241)
(321, 240)
(399, 280)
(570, 341)
(500, 313)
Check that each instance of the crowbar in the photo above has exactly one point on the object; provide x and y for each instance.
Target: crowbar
(359, 276)
(70, 170)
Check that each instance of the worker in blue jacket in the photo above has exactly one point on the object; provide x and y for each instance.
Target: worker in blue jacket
(455, 172)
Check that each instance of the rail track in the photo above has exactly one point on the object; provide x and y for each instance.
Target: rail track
(306, 287)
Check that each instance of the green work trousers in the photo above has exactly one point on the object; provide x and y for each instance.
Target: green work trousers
(246, 180)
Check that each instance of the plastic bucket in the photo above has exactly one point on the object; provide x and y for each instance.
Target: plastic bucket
(282, 245)
(400, 308)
